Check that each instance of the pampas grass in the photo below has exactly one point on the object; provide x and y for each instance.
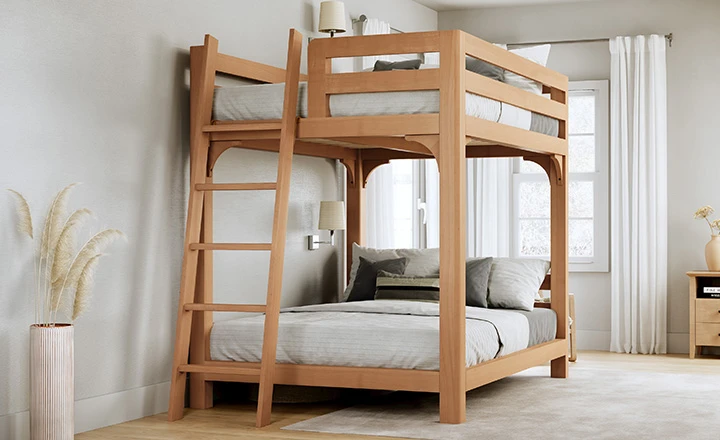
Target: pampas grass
(64, 274)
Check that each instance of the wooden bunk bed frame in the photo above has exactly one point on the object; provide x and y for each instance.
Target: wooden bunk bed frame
(362, 144)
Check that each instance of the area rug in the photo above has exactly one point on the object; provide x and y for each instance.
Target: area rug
(591, 404)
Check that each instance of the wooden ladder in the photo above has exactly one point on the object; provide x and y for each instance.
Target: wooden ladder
(202, 71)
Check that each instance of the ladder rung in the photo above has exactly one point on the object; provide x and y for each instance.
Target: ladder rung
(230, 246)
(236, 186)
(254, 308)
(219, 369)
(274, 124)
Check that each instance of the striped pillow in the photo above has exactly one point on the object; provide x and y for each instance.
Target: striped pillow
(407, 287)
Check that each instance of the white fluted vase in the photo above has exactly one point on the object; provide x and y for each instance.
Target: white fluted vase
(52, 382)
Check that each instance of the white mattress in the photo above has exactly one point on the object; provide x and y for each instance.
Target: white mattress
(382, 334)
(263, 102)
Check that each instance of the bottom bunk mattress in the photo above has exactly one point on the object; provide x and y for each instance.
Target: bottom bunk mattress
(381, 334)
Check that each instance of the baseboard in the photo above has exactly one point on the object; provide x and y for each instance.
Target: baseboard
(97, 412)
(593, 340)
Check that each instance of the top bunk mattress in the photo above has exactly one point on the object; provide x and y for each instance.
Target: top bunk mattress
(379, 334)
(265, 102)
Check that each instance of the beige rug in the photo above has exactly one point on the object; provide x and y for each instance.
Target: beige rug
(591, 404)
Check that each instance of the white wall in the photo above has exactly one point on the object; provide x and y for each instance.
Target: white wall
(693, 93)
(96, 92)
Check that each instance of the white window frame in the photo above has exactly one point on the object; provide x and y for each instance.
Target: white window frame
(600, 261)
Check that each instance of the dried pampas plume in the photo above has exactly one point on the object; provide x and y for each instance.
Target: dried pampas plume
(25, 225)
(54, 221)
(84, 287)
(64, 249)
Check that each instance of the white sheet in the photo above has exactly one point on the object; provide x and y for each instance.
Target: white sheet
(261, 102)
(383, 334)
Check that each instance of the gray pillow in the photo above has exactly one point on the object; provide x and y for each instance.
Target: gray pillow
(514, 282)
(484, 68)
(407, 287)
(477, 275)
(365, 281)
(396, 65)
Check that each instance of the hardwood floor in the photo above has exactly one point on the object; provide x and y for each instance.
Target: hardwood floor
(233, 421)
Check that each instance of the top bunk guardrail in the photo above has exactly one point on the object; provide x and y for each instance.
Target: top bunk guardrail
(452, 45)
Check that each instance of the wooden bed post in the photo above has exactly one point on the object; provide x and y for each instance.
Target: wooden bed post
(355, 198)
(559, 241)
(452, 166)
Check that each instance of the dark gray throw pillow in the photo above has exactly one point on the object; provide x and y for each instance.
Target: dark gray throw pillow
(485, 69)
(477, 275)
(408, 287)
(365, 281)
(397, 65)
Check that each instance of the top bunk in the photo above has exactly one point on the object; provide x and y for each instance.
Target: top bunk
(388, 114)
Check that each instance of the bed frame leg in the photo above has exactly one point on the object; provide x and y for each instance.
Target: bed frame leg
(559, 368)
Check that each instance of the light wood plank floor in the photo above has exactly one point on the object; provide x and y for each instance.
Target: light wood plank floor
(238, 420)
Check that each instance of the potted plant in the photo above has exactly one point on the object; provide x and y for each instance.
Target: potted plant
(63, 278)
(712, 248)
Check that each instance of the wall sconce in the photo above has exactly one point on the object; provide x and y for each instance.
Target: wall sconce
(332, 218)
(332, 17)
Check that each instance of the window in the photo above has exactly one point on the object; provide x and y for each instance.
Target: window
(588, 208)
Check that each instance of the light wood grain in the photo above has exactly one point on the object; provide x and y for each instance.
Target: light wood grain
(359, 126)
(215, 307)
(707, 335)
(236, 186)
(355, 200)
(693, 297)
(389, 81)
(707, 310)
(405, 43)
(559, 263)
(230, 246)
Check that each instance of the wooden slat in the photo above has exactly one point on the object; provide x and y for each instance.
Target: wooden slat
(216, 369)
(229, 246)
(395, 125)
(483, 86)
(251, 70)
(391, 379)
(391, 81)
(559, 260)
(236, 186)
(492, 54)
(303, 148)
(248, 308)
(515, 137)
(242, 126)
(407, 43)
(490, 371)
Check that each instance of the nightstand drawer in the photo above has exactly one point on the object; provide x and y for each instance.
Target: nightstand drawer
(707, 334)
(707, 310)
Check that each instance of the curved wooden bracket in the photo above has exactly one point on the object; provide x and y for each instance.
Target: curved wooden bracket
(216, 150)
(431, 142)
(350, 166)
(549, 164)
(557, 162)
(368, 167)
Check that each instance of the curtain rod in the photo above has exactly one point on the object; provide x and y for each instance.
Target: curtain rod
(668, 37)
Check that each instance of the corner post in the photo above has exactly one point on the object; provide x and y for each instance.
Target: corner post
(452, 166)
(559, 242)
(355, 199)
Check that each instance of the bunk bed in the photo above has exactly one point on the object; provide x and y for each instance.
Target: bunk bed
(362, 143)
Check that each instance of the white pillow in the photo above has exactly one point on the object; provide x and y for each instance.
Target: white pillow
(514, 282)
(537, 54)
(421, 262)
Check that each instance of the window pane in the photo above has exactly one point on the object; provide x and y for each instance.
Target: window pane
(530, 167)
(581, 109)
(535, 238)
(534, 200)
(581, 154)
(402, 187)
(581, 201)
(580, 235)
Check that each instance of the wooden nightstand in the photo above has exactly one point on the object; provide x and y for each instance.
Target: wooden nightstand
(704, 311)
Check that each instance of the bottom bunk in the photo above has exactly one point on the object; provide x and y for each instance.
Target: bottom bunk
(388, 334)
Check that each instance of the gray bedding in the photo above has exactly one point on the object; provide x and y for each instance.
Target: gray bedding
(382, 334)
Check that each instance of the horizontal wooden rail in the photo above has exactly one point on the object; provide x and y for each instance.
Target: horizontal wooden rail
(515, 137)
(391, 81)
(223, 126)
(350, 126)
(219, 369)
(236, 186)
(249, 308)
(252, 70)
(483, 86)
(408, 43)
(478, 48)
(230, 246)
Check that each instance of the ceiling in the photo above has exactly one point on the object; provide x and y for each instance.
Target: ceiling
(449, 5)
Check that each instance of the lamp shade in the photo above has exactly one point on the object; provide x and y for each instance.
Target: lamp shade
(332, 17)
(332, 216)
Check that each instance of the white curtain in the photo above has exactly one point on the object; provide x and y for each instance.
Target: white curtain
(374, 26)
(379, 192)
(489, 202)
(638, 159)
